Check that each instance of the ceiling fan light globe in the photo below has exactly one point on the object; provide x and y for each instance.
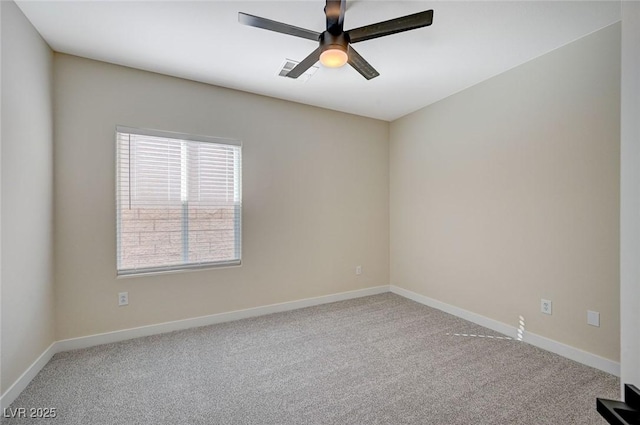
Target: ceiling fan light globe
(333, 58)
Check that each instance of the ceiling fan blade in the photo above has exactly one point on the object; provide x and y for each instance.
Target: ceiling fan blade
(361, 65)
(392, 26)
(335, 15)
(268, 24)
(306, 63)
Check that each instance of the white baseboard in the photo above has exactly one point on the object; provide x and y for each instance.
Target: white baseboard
(21, 383)
(573, 353)
(122, 335)
(547, 344)
(92, 340)
(478, 319)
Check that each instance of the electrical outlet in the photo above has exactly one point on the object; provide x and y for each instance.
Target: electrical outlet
(545, 306)
(358, 270)
(593, 318)
(123, 299)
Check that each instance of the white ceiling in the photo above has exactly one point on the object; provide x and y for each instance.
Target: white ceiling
(203, 41)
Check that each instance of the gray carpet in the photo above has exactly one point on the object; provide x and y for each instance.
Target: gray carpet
(376, 360)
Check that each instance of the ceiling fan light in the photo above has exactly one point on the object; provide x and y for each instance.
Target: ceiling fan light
(333, 58)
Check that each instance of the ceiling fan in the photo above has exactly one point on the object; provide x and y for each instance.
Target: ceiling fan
(334, 48)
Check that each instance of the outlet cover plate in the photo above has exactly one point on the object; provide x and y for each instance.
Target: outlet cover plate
(593, 318)
(545, 306)
(123, 299)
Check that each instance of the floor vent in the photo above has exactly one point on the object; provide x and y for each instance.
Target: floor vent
(289, 64)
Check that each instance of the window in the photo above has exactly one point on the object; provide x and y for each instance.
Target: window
(179, 201)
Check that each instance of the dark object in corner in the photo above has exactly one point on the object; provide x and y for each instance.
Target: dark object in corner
(622, 413)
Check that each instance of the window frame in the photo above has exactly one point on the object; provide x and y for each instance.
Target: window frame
(144, 271)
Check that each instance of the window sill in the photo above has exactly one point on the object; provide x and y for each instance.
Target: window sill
(178, 269)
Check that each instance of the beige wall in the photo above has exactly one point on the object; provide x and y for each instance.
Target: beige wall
(27, 195)
(315, 198)
(508, 192)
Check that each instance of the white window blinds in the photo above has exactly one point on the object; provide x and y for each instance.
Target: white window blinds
(179, 201)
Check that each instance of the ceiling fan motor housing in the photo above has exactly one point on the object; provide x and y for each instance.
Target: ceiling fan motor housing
(330, 41)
